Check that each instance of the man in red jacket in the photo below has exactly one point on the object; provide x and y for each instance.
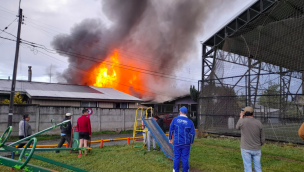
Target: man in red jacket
(84, 129)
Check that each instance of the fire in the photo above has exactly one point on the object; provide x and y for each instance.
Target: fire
(106, 76)
(111, 73)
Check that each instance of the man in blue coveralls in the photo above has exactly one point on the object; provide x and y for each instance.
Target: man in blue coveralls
(183, 130)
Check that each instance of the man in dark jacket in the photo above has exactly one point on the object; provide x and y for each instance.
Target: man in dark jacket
(65, 131)
(160, 122)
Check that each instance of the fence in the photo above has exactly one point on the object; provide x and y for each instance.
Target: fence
(40, 118)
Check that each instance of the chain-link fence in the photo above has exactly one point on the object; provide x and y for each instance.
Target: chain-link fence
(259, 65)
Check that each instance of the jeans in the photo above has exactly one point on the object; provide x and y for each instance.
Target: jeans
(249, 156)
(149, 135)
(181, 152)
(62, 140)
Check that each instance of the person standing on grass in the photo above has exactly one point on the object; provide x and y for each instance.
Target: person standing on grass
(84, 129)
(25, 129)
(252, 138)
(150, 137)
(183, 131)
(65, 131)
(160, 122)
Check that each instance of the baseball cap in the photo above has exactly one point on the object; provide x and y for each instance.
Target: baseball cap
(183, 110)
(248, 109)
(68, 114)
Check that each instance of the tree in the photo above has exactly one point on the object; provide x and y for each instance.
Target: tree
(18, 99)
(271, 96)
(193, 93)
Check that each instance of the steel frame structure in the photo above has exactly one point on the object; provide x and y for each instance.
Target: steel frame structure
(210, 52)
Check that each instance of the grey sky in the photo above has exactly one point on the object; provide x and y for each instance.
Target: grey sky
(47, 18)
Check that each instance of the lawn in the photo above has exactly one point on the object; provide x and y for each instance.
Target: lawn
(207, 154)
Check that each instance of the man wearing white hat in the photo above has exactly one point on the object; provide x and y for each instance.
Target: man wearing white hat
(65, 131)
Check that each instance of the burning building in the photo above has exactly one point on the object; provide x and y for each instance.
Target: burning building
(138, 51)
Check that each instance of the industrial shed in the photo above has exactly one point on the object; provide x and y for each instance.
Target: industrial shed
(58, 94)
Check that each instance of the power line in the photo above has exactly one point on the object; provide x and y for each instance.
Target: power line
(8, 26)
(109, 63)
(106, 47)
(7, 10)
(69, 53)
(111, 48)
(128, 86)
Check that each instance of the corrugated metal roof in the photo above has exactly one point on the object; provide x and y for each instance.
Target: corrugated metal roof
(112, 93)
(54, 90)
(21, 86)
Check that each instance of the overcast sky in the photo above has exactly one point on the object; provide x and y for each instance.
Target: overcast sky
(46, 18)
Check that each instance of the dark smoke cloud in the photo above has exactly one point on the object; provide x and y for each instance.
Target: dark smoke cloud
(162, 31)
(125, 15)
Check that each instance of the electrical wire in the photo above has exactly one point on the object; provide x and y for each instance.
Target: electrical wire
(107, 62)
(128, 86)
(8, 26)
(107, 48)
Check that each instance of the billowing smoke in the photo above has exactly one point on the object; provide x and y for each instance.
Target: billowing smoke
(161, 34)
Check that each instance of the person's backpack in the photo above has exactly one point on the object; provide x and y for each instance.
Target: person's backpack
(301, 132)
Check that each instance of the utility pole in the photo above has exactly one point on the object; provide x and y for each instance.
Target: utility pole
(11, 105)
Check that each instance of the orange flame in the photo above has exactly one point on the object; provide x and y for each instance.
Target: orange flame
(112, 74)
(106, 77)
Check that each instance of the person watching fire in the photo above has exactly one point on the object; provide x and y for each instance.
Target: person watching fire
(84, 129)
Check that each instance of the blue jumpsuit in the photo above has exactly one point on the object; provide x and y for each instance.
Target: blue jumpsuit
(184, 132)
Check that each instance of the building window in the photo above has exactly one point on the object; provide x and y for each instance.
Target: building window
(168, 108)
(121, 105)
(88, 104)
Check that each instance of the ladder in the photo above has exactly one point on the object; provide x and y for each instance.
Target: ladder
(138, 125)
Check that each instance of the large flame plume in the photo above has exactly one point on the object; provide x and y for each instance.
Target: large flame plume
(111, 73)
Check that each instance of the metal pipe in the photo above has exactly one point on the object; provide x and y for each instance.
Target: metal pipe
(43, 131)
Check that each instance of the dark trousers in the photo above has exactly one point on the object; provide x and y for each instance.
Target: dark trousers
(19, 146)
(62, 140)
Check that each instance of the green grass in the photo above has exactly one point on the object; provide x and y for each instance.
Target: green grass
(211, 154)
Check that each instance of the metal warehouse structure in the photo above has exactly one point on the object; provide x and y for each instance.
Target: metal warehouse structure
(257, 60)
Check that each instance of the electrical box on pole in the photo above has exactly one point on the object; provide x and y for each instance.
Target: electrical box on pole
(11, 105)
